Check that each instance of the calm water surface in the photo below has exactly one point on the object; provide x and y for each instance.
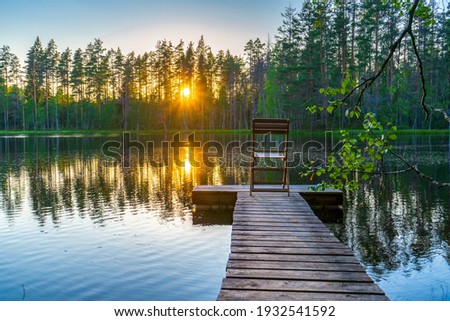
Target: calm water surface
(74, 229)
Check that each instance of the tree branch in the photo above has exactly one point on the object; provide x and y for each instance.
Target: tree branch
(418, 172)
(422, 77)
(366, 83)
(444, 113)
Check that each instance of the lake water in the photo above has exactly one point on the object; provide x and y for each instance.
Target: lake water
(73, 227)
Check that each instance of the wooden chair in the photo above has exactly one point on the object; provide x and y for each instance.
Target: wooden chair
(273, 128)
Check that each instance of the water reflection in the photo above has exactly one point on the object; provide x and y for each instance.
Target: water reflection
(399, 227)
(74, 229)
(67, 175)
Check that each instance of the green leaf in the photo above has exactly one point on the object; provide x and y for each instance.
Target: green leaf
(312, 109)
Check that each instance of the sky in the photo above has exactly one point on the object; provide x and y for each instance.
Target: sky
(138, 24)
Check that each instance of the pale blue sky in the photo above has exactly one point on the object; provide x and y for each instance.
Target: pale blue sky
(138, 24)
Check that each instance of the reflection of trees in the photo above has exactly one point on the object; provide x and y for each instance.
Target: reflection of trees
(57, 177)
(400, 220)
(398, 225)
(390, 227)
(60, 177)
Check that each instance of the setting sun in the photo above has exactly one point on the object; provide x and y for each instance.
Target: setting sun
(186, 92)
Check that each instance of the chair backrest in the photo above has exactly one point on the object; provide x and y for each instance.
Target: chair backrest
(270, 125)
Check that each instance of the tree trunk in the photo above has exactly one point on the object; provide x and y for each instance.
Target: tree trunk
(35, 104)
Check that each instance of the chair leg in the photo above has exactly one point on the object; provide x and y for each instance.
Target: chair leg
(288, 188)
(286, 178)
(251, 180)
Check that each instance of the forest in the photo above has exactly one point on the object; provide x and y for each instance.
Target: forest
(323, 44)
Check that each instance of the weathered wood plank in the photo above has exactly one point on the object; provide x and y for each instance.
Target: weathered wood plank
(285, 228)
(297, 233)
(267, 212)
(276, 222)
(249, 295)
(293, 208)
(301, 286)
(293, 258)
(313, 244)
(290, 250)
(275, 218)
(286, 206)
(246, 189)
(276, 265)
(335, 276)
(265, 209)
(285, 238)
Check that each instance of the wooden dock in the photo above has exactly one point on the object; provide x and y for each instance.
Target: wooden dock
(280, 250)
(327, 205)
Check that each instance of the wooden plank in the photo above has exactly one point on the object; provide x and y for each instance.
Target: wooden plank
(246, 188)
(284, 238)
(293, 258)
(261, 220)
(269, 209)
(286, 227)
(258, 243)
(274, 208)
(239, 214)
(249, 295)
(264, 211)
(276, 203)
(298, 233)
(315, 266)
(278, 228)
(335, 276)
(301, 286)
(278, 224)
(275, 218)
(290, 250)
(294, 199)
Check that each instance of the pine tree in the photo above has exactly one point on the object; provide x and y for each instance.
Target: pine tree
(49, 64)
(35, 76)
(165, 80)
(286, 59)
(63, 73)
(6, 61)
(117, 66)
(201, 85)
(77, 81)
(256, 69)
(97, 72)
(14, 93)
(128, 89)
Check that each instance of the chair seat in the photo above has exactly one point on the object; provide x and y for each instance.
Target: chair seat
(269, 155)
